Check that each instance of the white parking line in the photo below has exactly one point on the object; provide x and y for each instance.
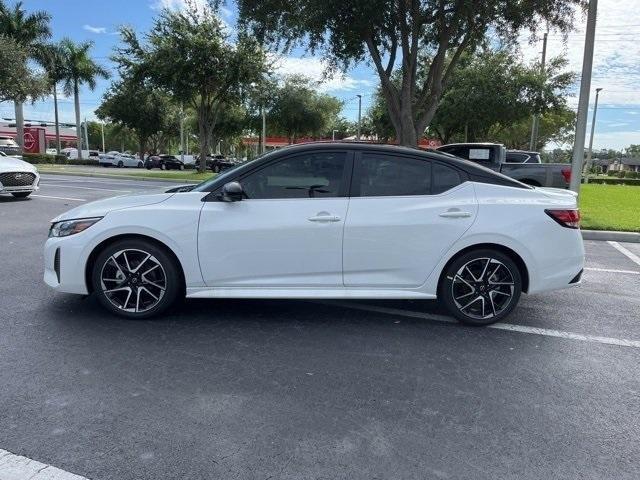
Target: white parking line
(611, 270)
(624, 251)
(16, 467)
(61, 198)
(621, 342)
(83, 188)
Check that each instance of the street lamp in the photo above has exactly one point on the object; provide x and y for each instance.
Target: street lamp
(593, 127)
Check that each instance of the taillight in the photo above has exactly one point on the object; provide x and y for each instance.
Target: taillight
(566, 218)
(566, 173)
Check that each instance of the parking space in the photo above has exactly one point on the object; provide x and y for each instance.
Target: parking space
(299, 389)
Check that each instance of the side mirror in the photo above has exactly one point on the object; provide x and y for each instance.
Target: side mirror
(232, 192)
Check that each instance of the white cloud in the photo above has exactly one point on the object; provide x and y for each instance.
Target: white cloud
(92, 29)
(615, 64)
(177, 4)
(316, 69)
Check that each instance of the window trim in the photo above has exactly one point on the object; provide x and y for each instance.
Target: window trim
(343, 191)
(354, 190)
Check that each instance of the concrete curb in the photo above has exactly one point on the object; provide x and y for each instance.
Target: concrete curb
(612, 236)
(121, 177)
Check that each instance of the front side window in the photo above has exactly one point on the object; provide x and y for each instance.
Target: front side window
(302, 176)
(382, 175)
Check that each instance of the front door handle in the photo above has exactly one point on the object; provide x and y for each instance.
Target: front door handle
(455, 214)
(324, 217)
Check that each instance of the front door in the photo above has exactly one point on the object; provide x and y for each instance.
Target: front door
(286, 232)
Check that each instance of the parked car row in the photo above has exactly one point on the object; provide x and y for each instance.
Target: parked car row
(217, 163)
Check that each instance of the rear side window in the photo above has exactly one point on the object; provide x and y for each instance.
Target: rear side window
(384, 175)
(381, 175)
(444, 178)
(517, 157)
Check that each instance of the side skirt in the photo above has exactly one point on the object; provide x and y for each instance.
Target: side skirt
(308, 293)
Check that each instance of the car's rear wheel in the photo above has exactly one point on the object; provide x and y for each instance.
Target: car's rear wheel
(136, 279)
(21, 194)
(481, 287)
(120, 164)
(140, 164)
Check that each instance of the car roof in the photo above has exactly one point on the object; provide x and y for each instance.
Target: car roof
(473, 170)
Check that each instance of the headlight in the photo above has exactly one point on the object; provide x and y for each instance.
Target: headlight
(71, 227)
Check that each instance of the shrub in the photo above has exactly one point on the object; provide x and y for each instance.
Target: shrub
(616, 181)
(37, 158)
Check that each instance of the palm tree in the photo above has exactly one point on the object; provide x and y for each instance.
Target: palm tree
(28, 30)
(52, 60)
(79, 69)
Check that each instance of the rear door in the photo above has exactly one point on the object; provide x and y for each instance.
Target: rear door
(404, 214)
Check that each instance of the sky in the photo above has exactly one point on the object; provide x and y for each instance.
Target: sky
(616, 60)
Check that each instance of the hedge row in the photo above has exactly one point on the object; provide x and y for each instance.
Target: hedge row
(616, 181)
(37, 158)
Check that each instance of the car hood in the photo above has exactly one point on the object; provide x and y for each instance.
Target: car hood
(100, 208)
(13, 164)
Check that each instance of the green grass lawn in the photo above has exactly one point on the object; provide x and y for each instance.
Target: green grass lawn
(190, 176)
(610, 207)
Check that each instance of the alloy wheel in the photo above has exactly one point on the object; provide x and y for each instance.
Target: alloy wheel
(133, 280)
(482, 288)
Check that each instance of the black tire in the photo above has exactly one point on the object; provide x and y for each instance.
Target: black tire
(479, 282)
(120, 164)
(140, 164)
(21, 194)
(149, 166)
(136, 250)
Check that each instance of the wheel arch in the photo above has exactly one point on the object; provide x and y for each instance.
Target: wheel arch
(517, 259)
(128, 236)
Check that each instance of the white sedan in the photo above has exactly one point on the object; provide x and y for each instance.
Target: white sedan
(17, 177)
(325, 220)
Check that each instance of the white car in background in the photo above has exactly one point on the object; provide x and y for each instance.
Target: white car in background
(325, 220)
(120, 160)
(17, 177)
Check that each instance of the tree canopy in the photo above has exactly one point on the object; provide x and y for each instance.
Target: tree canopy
(18, 82)
(143, 109)
(298, 110)
(188, 53)
(400, 36)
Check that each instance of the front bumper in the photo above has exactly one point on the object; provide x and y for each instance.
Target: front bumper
(34, 187)
(64, 263)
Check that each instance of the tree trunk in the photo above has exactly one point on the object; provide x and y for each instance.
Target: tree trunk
(142, 145)
(55, 114)
(19, 124)
(76, 95)
(204, 134)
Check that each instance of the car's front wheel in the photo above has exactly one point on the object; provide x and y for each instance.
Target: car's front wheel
(136, 279)
(481, 287)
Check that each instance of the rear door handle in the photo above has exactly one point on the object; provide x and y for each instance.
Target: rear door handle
(455, 214)
(324, 217)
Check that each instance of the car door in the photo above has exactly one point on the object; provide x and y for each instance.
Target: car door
(404, 214)
(286, 231)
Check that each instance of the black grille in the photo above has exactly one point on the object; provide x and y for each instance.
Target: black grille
(17, 179)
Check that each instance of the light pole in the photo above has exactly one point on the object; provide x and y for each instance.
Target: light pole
(536, 118)
(264, 130)
(583, 102)
(593, 127)
(102, 129)
(359, 115)
(333, 135)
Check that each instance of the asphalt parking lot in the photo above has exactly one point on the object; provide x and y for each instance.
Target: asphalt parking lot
(256, 389)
